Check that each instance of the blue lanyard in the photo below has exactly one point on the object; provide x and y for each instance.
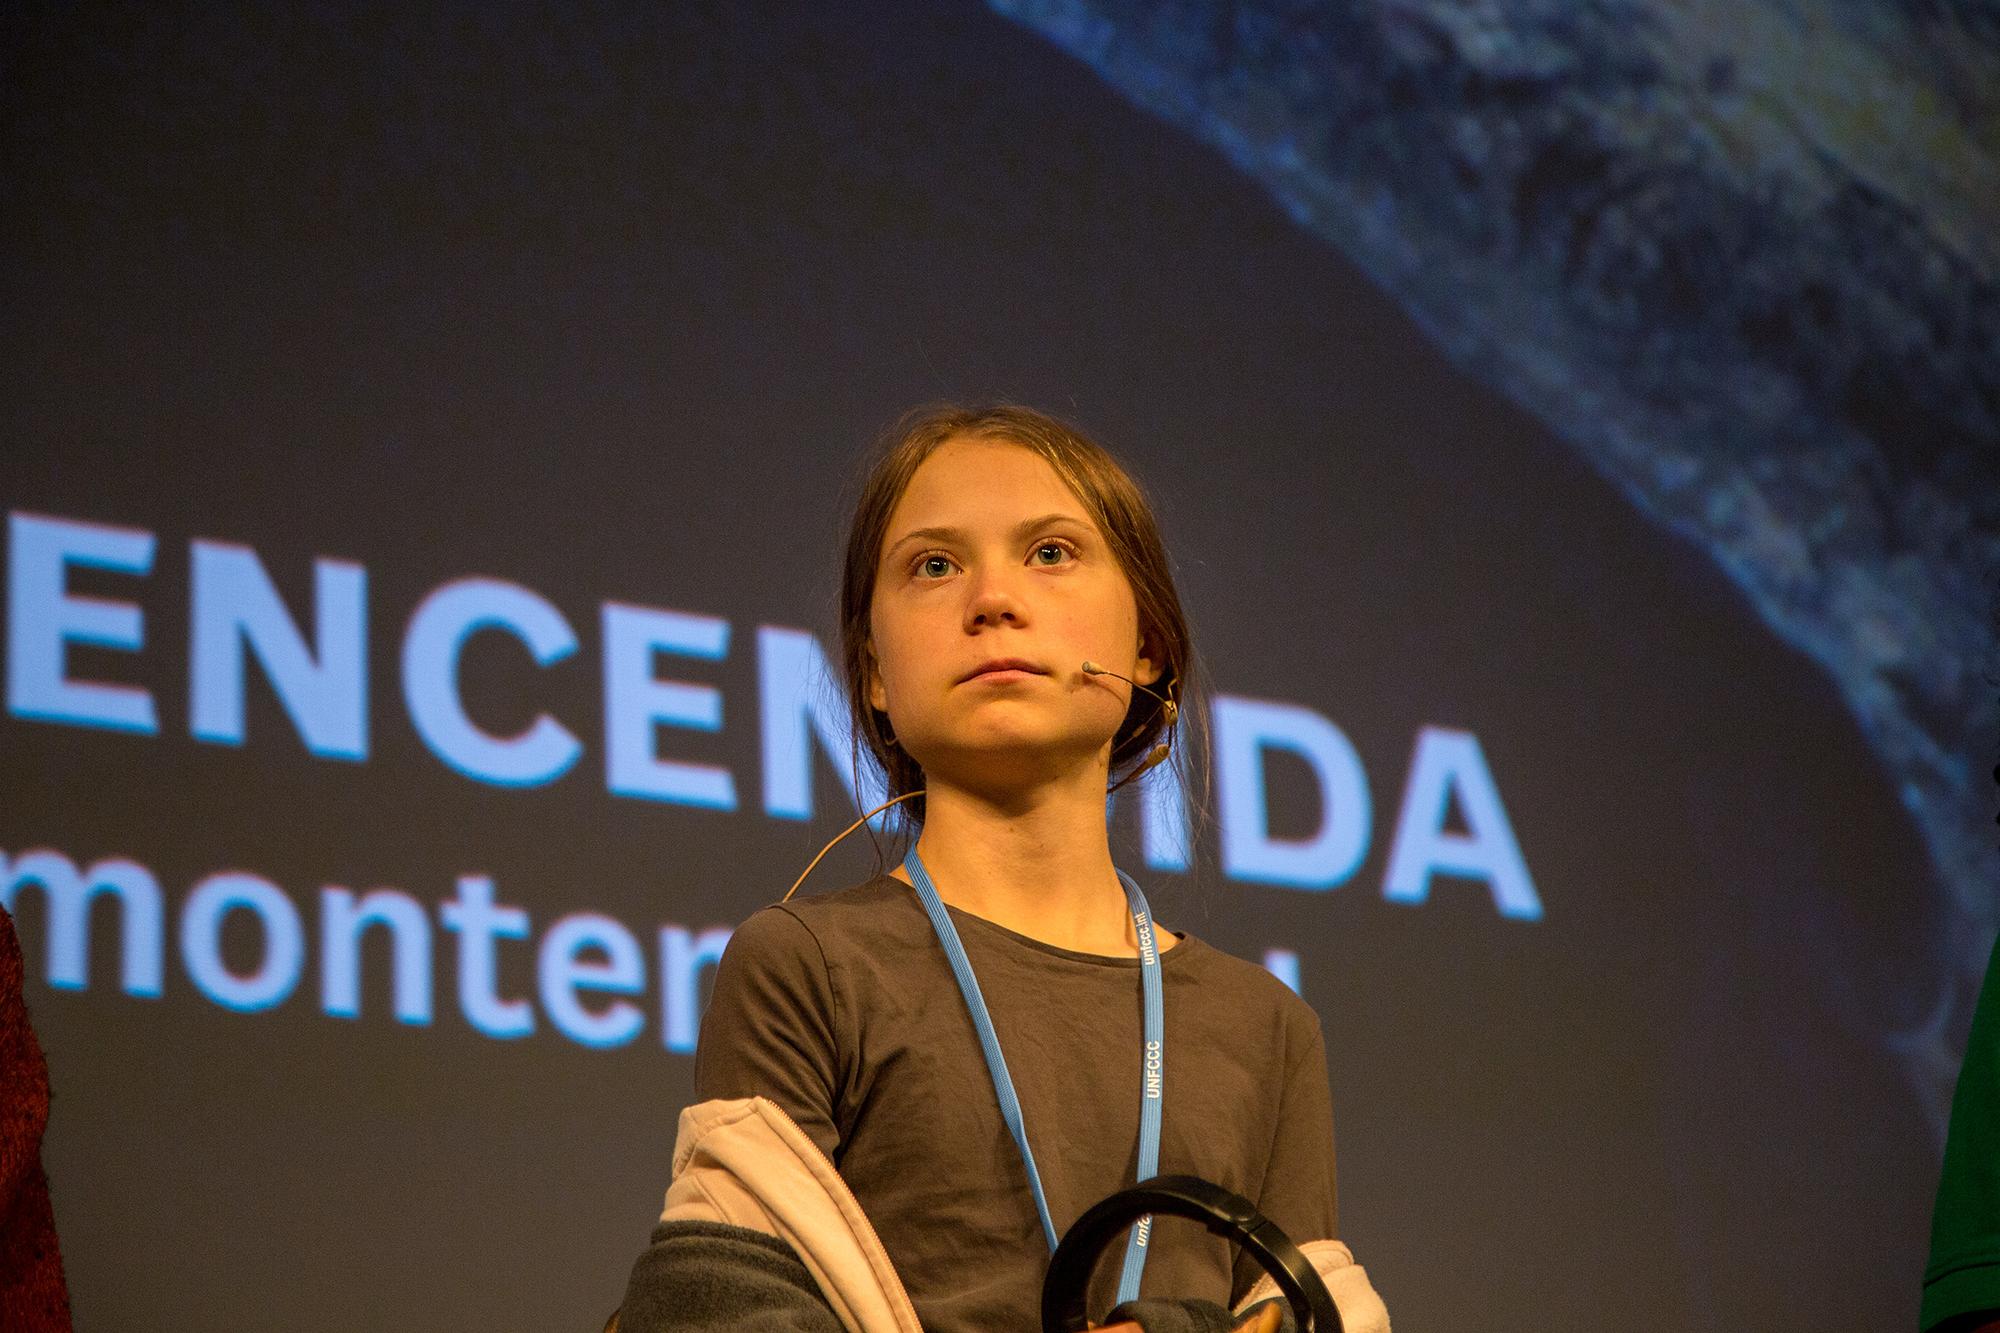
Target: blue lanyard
(1152, 1057)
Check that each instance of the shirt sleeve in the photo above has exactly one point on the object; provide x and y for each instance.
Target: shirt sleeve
(1298, 1192)
(769, 1030)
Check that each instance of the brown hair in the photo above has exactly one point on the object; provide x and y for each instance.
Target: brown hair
(1118, 507)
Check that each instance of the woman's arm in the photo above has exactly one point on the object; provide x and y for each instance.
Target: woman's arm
(1298, 1191)
(772, 1025)
(768, 1032)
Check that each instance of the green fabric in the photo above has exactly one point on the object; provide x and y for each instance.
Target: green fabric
(1964, 1271)
(1961, 1292)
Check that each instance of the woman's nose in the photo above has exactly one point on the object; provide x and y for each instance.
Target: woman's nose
(993, 599)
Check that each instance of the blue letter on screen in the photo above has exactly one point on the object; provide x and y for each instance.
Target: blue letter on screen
(1448, 761)
(1244, 729)
(42, 618)
(479, 923)
(1163, 818)
(1284, 965)
(798, 702)
(561, 974)
(635, 701)
(342, 923)
(682, 959)
(201, 940)
(438, 631)
(236, 607)
(67, 894)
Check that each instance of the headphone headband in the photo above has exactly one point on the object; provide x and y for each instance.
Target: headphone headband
(1066, 1287)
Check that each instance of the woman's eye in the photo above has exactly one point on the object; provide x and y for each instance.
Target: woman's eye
(1058, 547)
(935, 565)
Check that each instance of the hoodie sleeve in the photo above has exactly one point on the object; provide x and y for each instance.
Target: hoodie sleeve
(709, 1277)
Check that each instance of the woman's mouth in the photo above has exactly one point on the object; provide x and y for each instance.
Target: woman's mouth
(1003, 669)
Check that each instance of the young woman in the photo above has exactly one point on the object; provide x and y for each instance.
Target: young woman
(1014, 648)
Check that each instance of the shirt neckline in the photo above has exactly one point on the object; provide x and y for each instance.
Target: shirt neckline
(960, 916)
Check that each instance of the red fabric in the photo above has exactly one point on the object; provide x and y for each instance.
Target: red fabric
(33, 1298)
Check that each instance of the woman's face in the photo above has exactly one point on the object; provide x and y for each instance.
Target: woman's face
(989, 556)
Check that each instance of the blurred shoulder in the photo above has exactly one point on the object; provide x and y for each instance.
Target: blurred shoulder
(1246, 986)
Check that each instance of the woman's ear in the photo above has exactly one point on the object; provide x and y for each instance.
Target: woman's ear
(1149, 667)
(878, 698)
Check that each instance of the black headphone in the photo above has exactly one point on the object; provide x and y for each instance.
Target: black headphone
(1230, 1216)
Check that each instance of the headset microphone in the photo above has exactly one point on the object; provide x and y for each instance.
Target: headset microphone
(1168, 709)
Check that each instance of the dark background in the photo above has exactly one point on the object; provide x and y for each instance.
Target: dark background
(605, 301)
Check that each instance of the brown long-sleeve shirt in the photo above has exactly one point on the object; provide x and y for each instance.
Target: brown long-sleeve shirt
(843, 1010)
